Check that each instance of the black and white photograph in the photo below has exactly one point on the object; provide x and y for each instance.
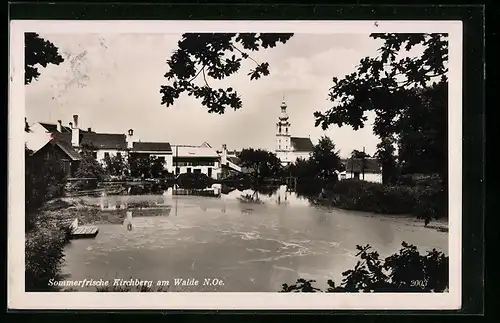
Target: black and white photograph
(200, 164)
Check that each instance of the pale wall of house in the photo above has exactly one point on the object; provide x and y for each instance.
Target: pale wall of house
(204, 170)
(291, 156)
(101, 153)
(303, 155)
(369, 177)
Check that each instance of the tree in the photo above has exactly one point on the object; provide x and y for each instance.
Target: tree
(406, 93)
(44, 180)
(89, 167)
(423, 139)
(301, 168)
(386, 155)
(216, 56)
(263, 163)
(406, 271)
(115, 165)
(145, 166)
(157, 166)
(325, 160)
(38, 51)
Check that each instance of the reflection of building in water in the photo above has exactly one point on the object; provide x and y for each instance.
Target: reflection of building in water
(282, 196)
(128, 221)
(210, 192)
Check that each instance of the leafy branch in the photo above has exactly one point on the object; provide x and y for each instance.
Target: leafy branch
(210, 53)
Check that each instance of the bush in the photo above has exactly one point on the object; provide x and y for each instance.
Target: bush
(193, 180)
(44, 180)
(425, 202)
(406, 271)
(44, 257)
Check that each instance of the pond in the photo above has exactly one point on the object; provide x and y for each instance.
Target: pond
(253, 242)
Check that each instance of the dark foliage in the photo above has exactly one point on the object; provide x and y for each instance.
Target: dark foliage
(406, 271)
(386, 155)
(89, 167)
(325, 160)
(44, 257)
(38, 52)
(215, 56)
(44, 180)
(116, 165)
(193, 181)
(146, 166)
(264, 164)
(407, 94)
(425, 202)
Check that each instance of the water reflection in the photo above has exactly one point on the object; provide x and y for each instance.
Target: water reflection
(128, 221)
(251, 246)
(176, 199)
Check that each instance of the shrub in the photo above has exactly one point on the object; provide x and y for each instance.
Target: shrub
(44, 257)
(425, 202)
(406, 271)
(44, 180)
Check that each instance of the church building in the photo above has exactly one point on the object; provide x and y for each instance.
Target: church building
(288, 148)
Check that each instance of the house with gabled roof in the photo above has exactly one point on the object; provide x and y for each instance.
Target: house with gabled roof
(201, 159)
(42, 145)
(72, 139)
(161, 150)
(369, 169)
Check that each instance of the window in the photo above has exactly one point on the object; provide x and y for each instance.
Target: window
(210, 172)
(106, 155)
(162, 159)
(188, 170)
(94, 154)
(177, 170)
(119, 155)
(197, 171)
(286, 129)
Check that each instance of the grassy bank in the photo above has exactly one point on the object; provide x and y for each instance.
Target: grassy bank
(426, 202)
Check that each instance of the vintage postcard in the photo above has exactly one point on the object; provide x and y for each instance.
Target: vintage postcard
(235, 165)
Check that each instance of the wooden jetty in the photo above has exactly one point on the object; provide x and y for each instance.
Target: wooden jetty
(82, 231)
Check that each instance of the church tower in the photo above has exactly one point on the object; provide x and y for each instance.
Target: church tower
(283, 135)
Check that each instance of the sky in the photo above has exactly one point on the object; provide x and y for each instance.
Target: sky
(112, 81)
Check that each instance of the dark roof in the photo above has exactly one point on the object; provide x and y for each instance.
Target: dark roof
(97, 140)
(51, 127)
(234, 160)
(302, 144)
(65, 148)
(152, 146)
(356, 165)
(73, 154)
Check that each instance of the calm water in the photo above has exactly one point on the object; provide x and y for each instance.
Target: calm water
(249, 246)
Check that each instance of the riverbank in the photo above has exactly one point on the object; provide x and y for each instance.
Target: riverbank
(426, 203)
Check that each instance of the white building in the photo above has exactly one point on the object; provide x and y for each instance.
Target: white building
(288, 148)
(196, 159)
(104, 144)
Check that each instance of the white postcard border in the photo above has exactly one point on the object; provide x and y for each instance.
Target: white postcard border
(19, 299)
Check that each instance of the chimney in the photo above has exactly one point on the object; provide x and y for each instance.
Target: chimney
(59, 126)
(71, 125)
(75, 132)
(75, 120)
(130, 139)
(89, 129)
(224, 155)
